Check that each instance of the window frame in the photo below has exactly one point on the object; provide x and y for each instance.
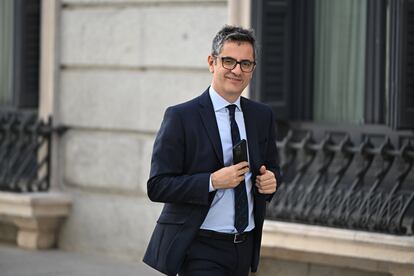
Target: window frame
(381, 70)
(26, 56)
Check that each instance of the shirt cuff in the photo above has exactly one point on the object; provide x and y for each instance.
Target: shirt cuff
(210, 187)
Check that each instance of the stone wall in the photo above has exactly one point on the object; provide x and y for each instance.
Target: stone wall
(121, 64)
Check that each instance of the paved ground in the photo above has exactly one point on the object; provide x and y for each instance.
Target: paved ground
(18, 262)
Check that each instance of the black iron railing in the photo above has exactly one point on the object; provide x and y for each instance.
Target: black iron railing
(334, 182)
(24, 152)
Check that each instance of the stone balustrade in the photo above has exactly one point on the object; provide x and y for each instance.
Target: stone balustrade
(37, 216)
(364, 251)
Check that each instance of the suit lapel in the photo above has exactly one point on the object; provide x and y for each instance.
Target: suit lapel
(251, 132)
(208, 118)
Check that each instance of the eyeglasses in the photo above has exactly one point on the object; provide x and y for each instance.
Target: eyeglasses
(230, 63)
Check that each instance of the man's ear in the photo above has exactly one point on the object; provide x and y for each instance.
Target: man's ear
(210, 61)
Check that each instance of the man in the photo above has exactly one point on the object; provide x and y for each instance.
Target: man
(212, 219)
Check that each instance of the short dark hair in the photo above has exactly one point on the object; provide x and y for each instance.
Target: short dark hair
(233, 33)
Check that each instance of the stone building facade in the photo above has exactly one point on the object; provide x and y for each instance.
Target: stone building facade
(109, 69)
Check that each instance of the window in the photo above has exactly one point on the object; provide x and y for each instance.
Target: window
(6, 52)
(339, 61)
(336, 61)
(19, 53)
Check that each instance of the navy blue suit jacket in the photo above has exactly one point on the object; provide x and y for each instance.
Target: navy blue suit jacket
(186, 151)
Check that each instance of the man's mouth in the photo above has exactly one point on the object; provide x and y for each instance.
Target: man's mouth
(233, 78)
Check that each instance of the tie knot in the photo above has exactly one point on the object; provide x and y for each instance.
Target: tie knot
(232, 109)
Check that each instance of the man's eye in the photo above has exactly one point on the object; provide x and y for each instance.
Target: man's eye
(246, 63)
(229, 61)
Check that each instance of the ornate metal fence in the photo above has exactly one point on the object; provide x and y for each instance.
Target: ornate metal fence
(336, 182)
(24, 152)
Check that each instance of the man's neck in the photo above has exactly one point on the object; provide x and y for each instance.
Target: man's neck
(229, 98)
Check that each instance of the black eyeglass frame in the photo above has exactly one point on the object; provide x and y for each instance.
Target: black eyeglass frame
(237, 62)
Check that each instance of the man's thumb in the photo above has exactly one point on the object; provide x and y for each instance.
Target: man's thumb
(262, 169)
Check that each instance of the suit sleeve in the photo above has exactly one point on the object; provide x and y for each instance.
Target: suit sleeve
(271, 160)
(271, 153)
(168, 180)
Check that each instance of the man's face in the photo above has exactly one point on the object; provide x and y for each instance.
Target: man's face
(231, 83)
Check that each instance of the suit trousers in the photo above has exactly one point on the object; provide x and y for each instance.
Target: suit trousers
(215, 257)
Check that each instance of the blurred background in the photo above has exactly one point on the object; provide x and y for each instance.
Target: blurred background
(84, 85)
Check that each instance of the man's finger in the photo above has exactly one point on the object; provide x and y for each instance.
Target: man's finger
(264, 177)
(262, 169)
(267, 181)
(266, 190)
(242, 165)
(269, 185)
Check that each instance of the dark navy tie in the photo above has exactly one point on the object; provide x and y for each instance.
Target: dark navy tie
(241, 219)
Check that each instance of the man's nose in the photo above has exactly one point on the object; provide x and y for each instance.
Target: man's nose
(237, 70)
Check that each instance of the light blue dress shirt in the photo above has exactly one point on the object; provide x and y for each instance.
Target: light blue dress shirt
(220, 217)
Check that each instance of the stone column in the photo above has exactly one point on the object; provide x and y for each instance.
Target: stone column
(239, 13)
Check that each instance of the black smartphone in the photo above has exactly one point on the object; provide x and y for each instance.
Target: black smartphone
(240, 152)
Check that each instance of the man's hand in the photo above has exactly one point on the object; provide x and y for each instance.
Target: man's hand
(266, 181)
(229, 177)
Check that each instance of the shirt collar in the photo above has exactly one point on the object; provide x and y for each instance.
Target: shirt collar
(219, 102)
